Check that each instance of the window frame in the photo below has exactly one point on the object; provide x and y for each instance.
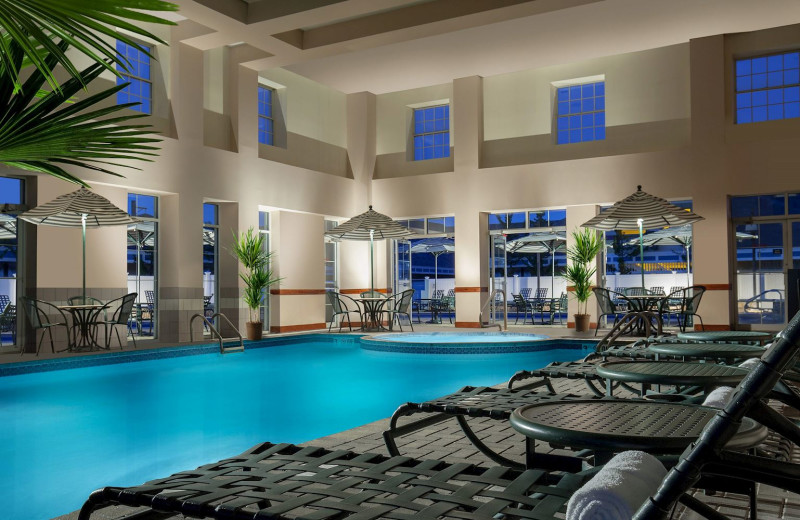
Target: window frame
(270, 117)
(445, 132)
(782, 87)
(557, 114)
(129, 77)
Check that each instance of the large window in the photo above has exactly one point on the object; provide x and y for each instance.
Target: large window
(266, 120)
(143, 261)
(581, 113)
(137, 74)
(768, 87)
(210, 261)
(431, 132)
(263, 228)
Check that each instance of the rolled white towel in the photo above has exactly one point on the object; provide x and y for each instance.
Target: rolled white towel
(618, 490)
(719, 397)
(749, 364)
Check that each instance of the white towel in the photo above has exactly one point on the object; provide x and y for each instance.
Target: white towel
(749, 364)
(618, 490)
(719, 397)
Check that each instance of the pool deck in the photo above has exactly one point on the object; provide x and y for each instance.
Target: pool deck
(446, 441)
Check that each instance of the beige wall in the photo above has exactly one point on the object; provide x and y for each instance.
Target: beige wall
(670, 129)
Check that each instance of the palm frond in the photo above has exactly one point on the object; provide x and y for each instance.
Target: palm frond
(38, 25)
(42, 134)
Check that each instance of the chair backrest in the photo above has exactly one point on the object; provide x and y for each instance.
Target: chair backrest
(333, 299)
(405, 301)
(675, 288)
(635, 291)
(657, 290)
(691, 298)
(518, 299)
(541, 293)
(451, 292)
(4, 301)
(437, 295)
(748, 399)
(124, 307)
(207, 301)
(36, 310)
(84, 300)
(604, 300)
(525, 292)
(151, 297)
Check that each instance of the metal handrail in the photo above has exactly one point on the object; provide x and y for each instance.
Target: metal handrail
(489, 302)
(214, 331)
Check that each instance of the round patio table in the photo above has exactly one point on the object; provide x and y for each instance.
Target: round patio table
(612, 426)
(725, 351)
(725, 335)
(683, 373)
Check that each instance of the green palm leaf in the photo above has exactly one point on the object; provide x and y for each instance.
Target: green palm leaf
(42, 134)
(37, 25)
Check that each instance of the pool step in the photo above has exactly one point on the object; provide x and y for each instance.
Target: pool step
(238, 347)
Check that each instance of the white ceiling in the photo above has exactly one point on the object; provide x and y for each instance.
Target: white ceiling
(476, 44)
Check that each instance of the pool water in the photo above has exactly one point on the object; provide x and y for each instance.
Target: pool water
(460, 337)
(67, 432)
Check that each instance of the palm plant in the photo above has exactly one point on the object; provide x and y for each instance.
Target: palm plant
(44, 130)
(586, 246)
(38, 25)
(248, 247)
(41, 133)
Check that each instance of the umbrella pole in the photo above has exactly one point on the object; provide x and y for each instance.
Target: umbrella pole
(688, 268)
(641, 250)
(371, 263)
(83, 233)
(435, 273)
(553, 275)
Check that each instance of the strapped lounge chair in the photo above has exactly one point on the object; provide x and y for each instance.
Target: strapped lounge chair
(287, 482)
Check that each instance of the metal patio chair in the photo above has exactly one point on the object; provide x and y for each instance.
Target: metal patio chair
(39, 314)
(342, 305)
(120, 310)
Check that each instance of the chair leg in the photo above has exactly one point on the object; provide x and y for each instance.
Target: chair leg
(119, 338)
(133, 338)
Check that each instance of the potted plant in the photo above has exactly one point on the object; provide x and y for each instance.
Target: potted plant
(248, 247)
(579, 275)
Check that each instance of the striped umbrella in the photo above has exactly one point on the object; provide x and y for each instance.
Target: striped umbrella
(642, 210)
(541, 243)
(82, 208)
(436, 247)
(371, 226)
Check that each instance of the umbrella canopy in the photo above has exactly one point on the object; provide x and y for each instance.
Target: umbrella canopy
(8, 227)
(371, 226)
(82, 208)
(641, 210)
(541, 243)
(436, 247)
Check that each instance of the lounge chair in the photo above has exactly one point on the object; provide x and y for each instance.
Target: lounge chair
(287, 482)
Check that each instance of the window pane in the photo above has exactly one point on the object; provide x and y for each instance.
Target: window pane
(417, 225)
(557, 217)
(498, 221)
(142, 205)
(210, 214)
(263, 220)
(516, 220)
(760, 82)
(744, 207)
(583, 115)
(450, 225)
(10, 190)
(770, 205)
(537, 219)
(436, 225)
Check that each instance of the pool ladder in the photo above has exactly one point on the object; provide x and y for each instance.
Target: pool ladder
(225, 344)
(493, 312)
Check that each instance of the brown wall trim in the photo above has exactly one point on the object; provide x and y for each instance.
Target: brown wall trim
(299, 328)
(359, 291)
(472, 289)
(716, 286)
(468, 324)
(712, 327)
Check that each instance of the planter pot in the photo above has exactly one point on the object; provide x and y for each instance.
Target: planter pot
(254, 329)
(582, 322)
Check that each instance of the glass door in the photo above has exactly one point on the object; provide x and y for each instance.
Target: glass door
(498, 275)
(402, 268)
(761, 268)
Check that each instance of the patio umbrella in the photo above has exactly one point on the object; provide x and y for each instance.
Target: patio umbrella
(677, 236)
(641, 210)
(541, 243)
(436, 247)
(82, 208)
(371, 226)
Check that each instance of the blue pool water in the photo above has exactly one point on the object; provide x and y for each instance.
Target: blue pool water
(64, 433)
(460, 337)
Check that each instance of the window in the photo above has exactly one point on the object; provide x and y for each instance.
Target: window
(142, 245)
(263, 228)
(137, 74)
(768, 88)
(431, 132)
(210, 262)
(581, 113)
(266, 121)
